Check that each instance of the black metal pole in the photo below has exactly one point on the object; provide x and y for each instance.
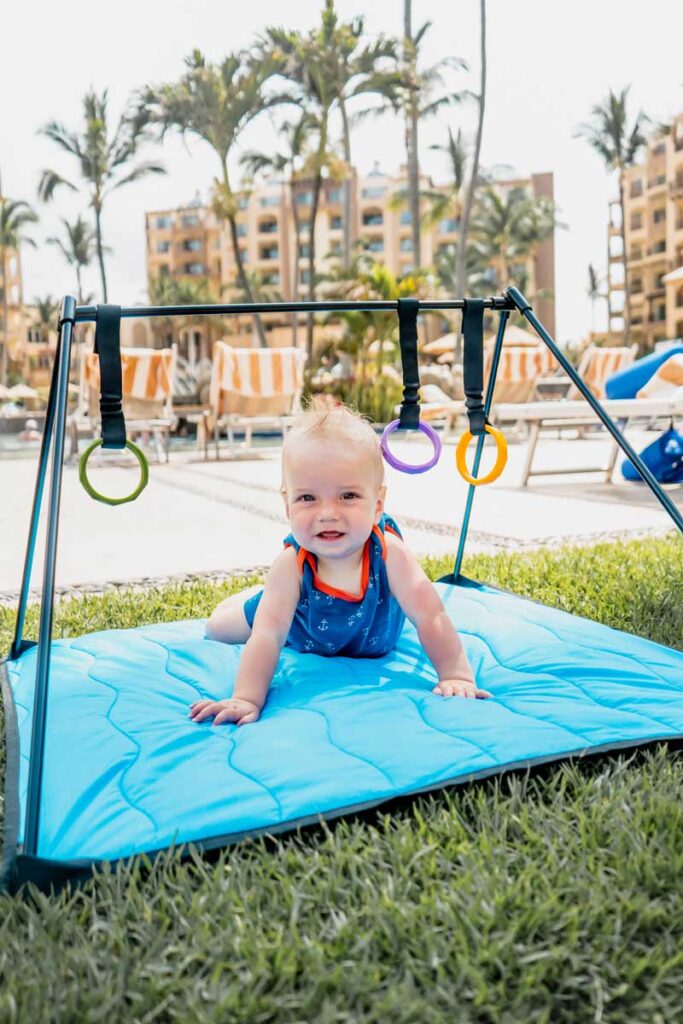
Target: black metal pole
(504, 316)
(525, 309)
(18, 645)
(89, 313)
(35, 774)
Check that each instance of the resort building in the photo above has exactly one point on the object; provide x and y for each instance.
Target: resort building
(273, 233)
(653, 204)
(11, 300)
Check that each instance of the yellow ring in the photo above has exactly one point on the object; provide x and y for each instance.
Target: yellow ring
(501, 457)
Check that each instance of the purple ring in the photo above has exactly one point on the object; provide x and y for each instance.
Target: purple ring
(404, 467)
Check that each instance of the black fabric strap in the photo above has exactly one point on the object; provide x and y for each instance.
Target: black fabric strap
(473, 363)
(409, 417)
(108, 348)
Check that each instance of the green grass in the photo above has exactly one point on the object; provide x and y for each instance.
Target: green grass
(554, 897)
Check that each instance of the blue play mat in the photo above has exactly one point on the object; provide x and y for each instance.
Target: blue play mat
(126, 771)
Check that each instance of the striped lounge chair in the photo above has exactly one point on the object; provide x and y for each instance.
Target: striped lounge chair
(253, 388)
(147, 377)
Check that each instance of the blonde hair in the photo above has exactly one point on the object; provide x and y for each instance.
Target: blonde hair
(320, 421)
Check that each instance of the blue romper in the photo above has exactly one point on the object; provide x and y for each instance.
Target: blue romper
(332, 622)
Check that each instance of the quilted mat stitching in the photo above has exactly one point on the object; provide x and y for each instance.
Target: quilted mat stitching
(120, 778)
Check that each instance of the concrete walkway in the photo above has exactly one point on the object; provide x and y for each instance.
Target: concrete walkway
(220, 517)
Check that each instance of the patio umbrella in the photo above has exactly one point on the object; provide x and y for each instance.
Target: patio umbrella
(387, 346)
(22, 391)
(518, 337)
(440, 346)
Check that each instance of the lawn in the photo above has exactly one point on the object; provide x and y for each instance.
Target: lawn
(555, 896)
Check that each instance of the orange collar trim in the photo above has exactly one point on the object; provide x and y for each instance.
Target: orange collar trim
(344, 595)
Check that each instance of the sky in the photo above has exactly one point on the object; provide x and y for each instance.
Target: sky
(548, 64)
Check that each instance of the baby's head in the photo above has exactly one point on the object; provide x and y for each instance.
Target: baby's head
(332, 480)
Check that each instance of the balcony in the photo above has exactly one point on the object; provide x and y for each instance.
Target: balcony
(676, 187)
(267, 227)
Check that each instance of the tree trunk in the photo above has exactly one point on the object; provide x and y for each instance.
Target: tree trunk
(461, 258)
(322, 146)
(346, 139)
(412, 155)
(295, 272)
(627, 291)
(80, 287)
(100, 253)
(5, 322)
(243, 280)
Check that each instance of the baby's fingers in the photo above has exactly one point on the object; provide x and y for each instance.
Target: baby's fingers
(204, 709)
(483, 693)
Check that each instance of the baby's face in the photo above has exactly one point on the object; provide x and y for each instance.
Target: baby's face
(333, 497)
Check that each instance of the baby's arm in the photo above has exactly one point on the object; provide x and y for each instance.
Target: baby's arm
(262, 650)
(416, 595)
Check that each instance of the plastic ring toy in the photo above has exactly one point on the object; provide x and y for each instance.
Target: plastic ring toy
(404, 466)
(83, 476)
(501, 457)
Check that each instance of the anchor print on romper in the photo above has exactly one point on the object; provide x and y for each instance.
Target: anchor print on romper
(323, 627)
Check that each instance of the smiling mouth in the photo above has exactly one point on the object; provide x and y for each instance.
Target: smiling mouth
(330, 535)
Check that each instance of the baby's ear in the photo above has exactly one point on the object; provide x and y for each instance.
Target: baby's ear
(381, 495)
(283, 492)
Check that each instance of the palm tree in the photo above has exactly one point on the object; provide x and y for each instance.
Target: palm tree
(46, 316)
(78, 248)
(215, 103)
(506, 229)
(296, 136)
(618, 143)
(358, 69)
(594, 290)
(414, 96)
(165, 290)
(15, 215)
(103, 160)
(461, 262)
(303, 60)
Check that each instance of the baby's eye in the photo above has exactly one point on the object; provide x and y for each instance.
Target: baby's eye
(305, 497)
(350, 494)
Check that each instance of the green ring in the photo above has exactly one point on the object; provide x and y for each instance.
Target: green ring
(83, 476)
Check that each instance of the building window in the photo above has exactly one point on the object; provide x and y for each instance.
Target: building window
(659, 280)
(406, 245)
(304, 277)
(375, 245)
(162, 223)
(448, 225)
(659, 246)
(273, 279)
(304, 250)
(374, 192)
(164, 270)
(636, 221)
(406, 217)
(335, 196)
(636, 188)
(243, 202)
(267, 201)
(193, 268)
(241, 230)
(304, 198)
(191, 245)
(335, 223)
(372, 218)
(335, 249)
(659, 216)
(189, 220)
(637, 285)
(244, 256)
(636, 252)
(163, 246)
(268, 252)
(268, 227)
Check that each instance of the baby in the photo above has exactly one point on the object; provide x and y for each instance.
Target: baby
(344, 582)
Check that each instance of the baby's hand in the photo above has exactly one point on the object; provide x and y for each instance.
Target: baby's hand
(235, 710)
(459, 688)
